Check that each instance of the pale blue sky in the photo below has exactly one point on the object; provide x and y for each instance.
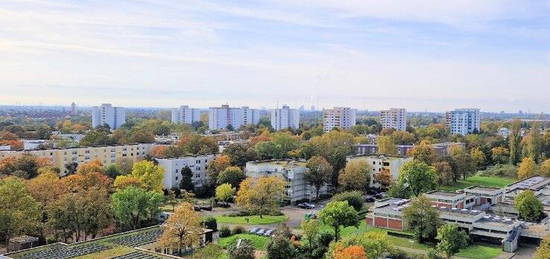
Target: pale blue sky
(368, 54)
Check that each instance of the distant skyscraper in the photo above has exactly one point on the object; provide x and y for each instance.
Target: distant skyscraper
(338, 117)
(185, 115)
(285, 118)
(463, 121)
(222, 117)
(394, 118)
(73, 109)
(107, 114)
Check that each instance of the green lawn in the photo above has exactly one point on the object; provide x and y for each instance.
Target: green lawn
(259, 242)
(252, 220)
(480, 252)
(487, 181)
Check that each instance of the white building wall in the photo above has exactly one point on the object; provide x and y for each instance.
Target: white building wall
(173, 166)
(185, 115)
(338, 117)
(463, 121)
(394, 118)
(115, 117)
(285, 118)
(221, 117)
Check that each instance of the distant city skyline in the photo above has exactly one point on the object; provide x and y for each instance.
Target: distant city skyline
(422, 55)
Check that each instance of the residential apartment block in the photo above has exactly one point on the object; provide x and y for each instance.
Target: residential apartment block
(441, 149)
(285, 118)
(173, 166)
(381, 162)
(109, 115)
(185, 115)
(338, 117)
(463, 121)
(106, 155)
(291, 171)
(394, 118)
(222, 117)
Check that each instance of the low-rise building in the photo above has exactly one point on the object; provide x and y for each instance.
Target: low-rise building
(382, 162)
(107, 155)
(440, 149)
(173, 167)
(458, 200)
(291, 171)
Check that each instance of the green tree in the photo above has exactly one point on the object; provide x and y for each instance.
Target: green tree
(318, 173)
(528, 206)
(232, 175)
(337, 214)
(132, 207)
(422, 219)
(514, 141)
(242, 250)
(462, 162)
(239, 154)
(225, 192)
(354, 199)
(478, 157)
(187, 179)
(451, 239)
(151, 175)
(415, 178)
(444, 172)
(386, 145)
(543, 251)
(19, 212)
(261, 195)
(534, 143)
(500, 155)
(279, 246)
(355, 176)
(423, 152)
(310, 229)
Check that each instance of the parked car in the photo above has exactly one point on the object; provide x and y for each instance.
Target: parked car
(206, 207)
(379, 195)
(261, 231)
(305, 205)
(369, 198)
(254, 230)
(197, 208)
(269, 232)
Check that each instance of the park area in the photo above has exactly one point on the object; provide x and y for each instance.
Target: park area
(486, 181)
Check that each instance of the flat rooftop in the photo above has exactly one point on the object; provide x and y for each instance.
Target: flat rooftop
(532, 183)
(444, 194)
(482, 189)
(457, 211)
(286, 163)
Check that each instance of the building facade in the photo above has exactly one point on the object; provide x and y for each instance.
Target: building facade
(173, 167)
(224, 116)
(382, 162)
(394, 118)
(338, 117)
(285, 118)
(463, 121)
(106, 155)
(292, 172)
(185, 115)
(106, 114)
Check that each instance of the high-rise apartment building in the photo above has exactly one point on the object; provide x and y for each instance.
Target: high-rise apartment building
(109, 115)
(338, 117)
(285, 118)
(463, 121)
(222, 117)
(394, 118)
(185, 115)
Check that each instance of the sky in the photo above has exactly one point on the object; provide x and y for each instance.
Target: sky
(423, 55)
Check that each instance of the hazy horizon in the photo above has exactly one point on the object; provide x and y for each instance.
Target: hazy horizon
(420, 55)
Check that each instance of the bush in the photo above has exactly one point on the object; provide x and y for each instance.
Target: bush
(325, 238)
(211, 223)
(225, 231)
(238, 230)
(354, 199)
(501, 170)
(244, 251)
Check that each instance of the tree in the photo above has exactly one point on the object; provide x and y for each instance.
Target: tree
(125, 181)
(386, 145)
(186, 182)
(514, 140)
(338, 213)
(423, 152)
(527, 168)
(422, 219)
(384, 178)
(355, 176)
(350, 252)
(533, 143)
(528, 206)
(239, 153)
(310, 230)
(462, 161)
(261, 195)
(500, 155)
(151, 175)
(451, 239)
(279, 246)
(478, 157)
(112, 171)
(216, 166)
(19, 211)
(198, 145)
(159, 152)
(374, 245)
(415, 178)
(89, 167)
(232, 175)
(225, 192)
(444, 172)
(133, 206)
(544, 168)
(318, 173)
(182, 229)
(543, 251)
(242, 250)
(354, 199)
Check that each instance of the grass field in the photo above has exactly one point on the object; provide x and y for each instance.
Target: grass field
(115, 251)
(252, 220)
(259, 242)
(487, 181)
(480, 252)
